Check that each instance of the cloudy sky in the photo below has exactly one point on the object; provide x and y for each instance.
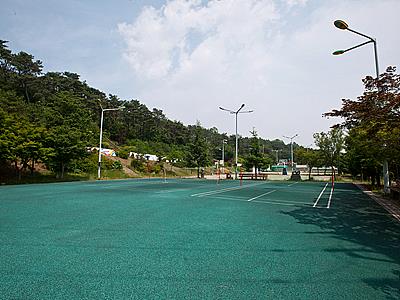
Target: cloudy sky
(190, 57)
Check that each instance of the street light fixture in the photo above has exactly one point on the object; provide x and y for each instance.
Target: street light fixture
(343, 25)
(101, 134)
(291, 147)
(236, 147)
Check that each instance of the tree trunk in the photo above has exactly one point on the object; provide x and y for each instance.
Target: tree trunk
(32, 166)
(17, 170)
(62, 170)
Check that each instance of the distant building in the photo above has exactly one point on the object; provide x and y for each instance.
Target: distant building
(104, 151)
(149, 157)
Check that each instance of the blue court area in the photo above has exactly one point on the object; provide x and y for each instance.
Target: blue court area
(196, 239)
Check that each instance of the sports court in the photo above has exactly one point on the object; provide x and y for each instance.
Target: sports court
(196, 239)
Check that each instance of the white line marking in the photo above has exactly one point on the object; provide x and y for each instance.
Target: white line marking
(293, 183)
(261, 195)
(278, 202)
(320, 194)
(224, 190)
(283, 203)
(330, 198)
(171, 191)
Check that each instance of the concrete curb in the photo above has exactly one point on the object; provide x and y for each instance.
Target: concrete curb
(391, 208)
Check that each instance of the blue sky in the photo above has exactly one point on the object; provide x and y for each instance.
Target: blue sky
(189, 57)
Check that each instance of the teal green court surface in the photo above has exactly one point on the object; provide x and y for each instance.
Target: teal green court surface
(196, 239)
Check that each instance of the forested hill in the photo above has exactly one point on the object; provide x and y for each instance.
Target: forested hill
(53, 117)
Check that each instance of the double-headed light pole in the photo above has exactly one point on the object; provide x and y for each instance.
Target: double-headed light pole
(291, 147)
(101, 134)
(343, 25)
(223, 155)
(232, 112)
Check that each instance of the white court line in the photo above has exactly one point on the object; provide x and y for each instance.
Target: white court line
(279, 202)
(293, 183)
(224, 190)
(261, 195)
(284, 203)
(320, 194)
(330, 198)
(171, 191)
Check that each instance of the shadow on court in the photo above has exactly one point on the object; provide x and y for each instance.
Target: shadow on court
(357, 219)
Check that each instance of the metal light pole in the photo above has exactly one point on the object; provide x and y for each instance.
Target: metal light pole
(236, 134)
(343, 25)
(291, 148)
(276, 153)
(101, 135)
(223, 155)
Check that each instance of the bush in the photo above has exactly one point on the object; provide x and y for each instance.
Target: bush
(123, 152)
(138, 165)
(84, 165)
(157, 168)
(117, 165)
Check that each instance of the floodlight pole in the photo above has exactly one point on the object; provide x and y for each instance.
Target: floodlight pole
(101, 135)
(343, 25)
(236, 132)
(291, 147)
(223, 155)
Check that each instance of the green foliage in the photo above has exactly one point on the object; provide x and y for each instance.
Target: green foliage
(138, 165)
(330, 144)
(310, 157)
(124, 151)
(199, 153)
(54, 117)
(255, 158)
(373, 121)
(88, 164)
(116, 165)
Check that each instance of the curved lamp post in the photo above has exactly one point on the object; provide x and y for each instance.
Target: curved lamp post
(236, 114)
(101, 134)
(343, 25)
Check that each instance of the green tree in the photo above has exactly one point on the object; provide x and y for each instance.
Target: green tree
(68, 144)
(255, 158)
(199, 155)
(310, 157)
(375, 115)
(330, 144)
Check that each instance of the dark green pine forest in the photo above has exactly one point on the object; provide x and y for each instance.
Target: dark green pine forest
(49, 120)
(50, 128)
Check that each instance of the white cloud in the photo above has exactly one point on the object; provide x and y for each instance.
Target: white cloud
(194, 56)
(166, 41)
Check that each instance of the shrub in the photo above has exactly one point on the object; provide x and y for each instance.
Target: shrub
(137, 164)
(116, 165)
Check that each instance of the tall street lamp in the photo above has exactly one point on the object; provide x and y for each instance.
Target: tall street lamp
(343, 25)
(291, 147)
(101, 134)
(236, 147)
(276, 153)
(223, 155)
